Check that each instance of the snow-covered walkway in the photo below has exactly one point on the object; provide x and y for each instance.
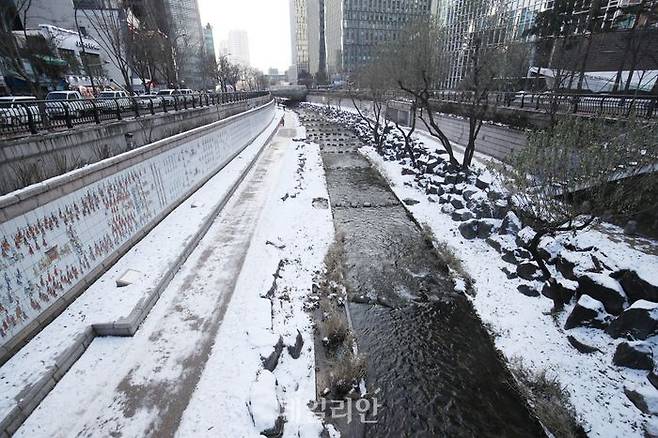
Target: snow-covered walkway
(189, 369)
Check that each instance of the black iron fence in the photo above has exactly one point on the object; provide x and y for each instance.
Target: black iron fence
(617, 106)
(33, 116)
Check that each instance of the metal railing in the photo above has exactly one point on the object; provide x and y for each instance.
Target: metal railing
(617, 106)
(34, 116)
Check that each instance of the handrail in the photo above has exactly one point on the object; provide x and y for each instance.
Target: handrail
(34, 116)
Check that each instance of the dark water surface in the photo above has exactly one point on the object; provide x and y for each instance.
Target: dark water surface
(437, 370)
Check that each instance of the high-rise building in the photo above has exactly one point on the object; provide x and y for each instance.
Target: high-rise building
(505, 21)
(209, 41)
(185, 32)
(369, 23)
(333, 31)
(305, 36)
(238, 46)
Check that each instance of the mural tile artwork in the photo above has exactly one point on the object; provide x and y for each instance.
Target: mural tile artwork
(47, 251)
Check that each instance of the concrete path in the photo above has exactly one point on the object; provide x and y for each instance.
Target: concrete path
(142, 385)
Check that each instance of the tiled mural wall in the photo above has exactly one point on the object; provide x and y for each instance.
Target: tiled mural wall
(46, 251)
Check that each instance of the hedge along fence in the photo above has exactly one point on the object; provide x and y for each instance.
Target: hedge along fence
(57, 237)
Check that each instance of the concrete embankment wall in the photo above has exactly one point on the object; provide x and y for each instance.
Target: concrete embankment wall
(55, 153)
(494, 140)
(60, 235)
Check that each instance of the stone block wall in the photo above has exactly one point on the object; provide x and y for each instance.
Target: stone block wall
(60, 235)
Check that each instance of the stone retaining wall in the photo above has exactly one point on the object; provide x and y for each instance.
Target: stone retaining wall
(53, 151)
(60, 235)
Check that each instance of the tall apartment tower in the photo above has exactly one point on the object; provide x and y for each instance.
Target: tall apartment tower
(187, 35)
(209, 41)
(238, 46)
(305, 36)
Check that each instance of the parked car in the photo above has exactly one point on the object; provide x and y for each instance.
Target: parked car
(144, 100)
(57, 102)
(109, 100)
(15, 110)
(168, 95)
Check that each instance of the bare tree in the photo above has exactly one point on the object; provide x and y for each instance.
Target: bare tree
(417, 64)
(227, 73)
(579, 170)
(108, 19)
(487, 66)
(375, 83)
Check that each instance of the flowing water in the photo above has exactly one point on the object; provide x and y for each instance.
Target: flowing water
(436, 368)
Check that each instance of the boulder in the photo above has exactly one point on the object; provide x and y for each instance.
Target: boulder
(652, 377)
(468, 229)
(639, 321)
(638, 284)
(565, 267)
(511, 224)
(524, 237)
(272, 360)
(645, 398)
(501, 208)
(468, 192)
(462, 214)
(447, 209)
(483, 181)
(434, 190)
(509, 273)
(587, 312)
(486, 227)
(581, 347)
(444, 199)
(295, 350)
(263, 405)
(529, 271)
(408, 171)
(528, 290)
(636, 355)
(549, 248)
(605, 289)
(559, 290)
(482, 211)
(450, 178)
(457, 203)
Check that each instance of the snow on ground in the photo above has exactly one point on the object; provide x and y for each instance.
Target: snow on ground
(299, 234)
(128, 386)
(522, 325)
(103, 301)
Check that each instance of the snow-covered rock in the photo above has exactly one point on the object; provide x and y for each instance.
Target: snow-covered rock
(457, 203)
(264, 405)
(524, 237)
(468, 229)
(644, 397)
(559, 289)
(462, 214)
(483, 181)
(587, 312)
(605, 289)
(529, 290)
(639, 284)
(529, 271)
(511, 224)
(639, 321)
(637, 355)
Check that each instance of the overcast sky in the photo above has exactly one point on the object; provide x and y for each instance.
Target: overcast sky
(266, 21)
